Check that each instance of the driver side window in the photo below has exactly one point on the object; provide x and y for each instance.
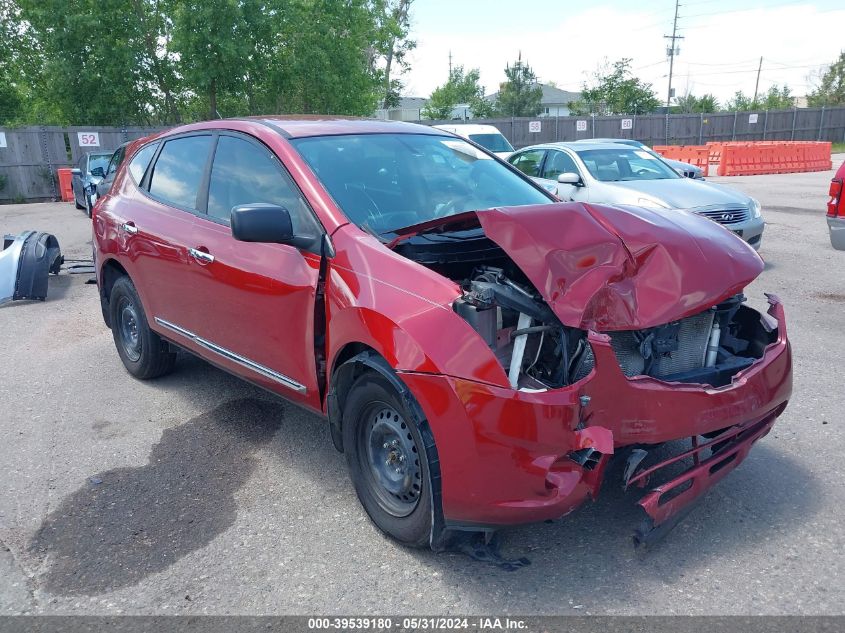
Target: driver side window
(529, 162)
(558, 163)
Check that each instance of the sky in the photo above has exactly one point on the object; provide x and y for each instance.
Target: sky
(564, 42)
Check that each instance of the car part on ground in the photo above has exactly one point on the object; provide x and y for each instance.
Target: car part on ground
(500, 357)
(836, 210)
(25, 263)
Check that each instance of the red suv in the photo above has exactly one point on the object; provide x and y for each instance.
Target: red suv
(479, 350)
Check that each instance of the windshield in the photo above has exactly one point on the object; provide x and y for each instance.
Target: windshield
(492, 142)
(384, 182)
(623, 164)
(98, 160)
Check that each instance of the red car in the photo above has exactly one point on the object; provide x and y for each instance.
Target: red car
(836, 210)
(479, 350)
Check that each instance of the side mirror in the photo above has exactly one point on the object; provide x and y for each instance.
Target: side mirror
(99, 172)
(570, 178)
(76, 171)
(268, 223)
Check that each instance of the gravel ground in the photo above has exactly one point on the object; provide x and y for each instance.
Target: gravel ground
(198, 493)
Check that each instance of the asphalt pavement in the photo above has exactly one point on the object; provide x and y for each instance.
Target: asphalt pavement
(198, 493)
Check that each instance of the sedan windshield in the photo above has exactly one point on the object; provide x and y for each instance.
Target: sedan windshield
(384, 182)
(613, 165)
(492, 142)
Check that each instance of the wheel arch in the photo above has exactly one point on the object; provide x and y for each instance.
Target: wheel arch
(110, 272)
(351, 362)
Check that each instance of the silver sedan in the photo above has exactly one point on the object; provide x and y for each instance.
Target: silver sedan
(619, 174)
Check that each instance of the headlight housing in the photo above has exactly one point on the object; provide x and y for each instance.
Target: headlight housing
(651, 204)
(755, 208)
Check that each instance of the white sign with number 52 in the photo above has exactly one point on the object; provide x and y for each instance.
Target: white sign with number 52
(88, 139)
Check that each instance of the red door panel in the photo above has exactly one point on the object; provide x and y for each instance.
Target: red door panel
(255, 301)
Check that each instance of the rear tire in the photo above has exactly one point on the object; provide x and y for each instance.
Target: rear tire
(388, 460)
(143, 352)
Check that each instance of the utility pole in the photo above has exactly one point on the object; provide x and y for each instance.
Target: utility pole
(671, 51)
(757, 84)
(450, 64)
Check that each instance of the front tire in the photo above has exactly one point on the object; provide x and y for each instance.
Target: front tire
(388, 460)
(143, 352)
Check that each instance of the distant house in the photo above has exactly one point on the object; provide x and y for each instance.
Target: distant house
(409, 109)
(555, 102)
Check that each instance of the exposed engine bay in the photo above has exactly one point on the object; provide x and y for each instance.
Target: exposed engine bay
(538, 352)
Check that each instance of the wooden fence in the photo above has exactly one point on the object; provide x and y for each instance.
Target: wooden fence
(801, 124)
(29, 156)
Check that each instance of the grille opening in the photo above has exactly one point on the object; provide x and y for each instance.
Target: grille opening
(675, 492)
(721, 464)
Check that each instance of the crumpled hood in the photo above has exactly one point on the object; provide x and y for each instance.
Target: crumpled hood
(622, 268)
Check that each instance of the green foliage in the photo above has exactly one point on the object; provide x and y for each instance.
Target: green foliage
(616, 91)
(519, 95)
(387, 53)
(776, 98)
(461, 87)
(115, 62)
(831, 89)
(689, 103)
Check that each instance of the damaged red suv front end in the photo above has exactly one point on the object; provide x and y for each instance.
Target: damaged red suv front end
(638, 336)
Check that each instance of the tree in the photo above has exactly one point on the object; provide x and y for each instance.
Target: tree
(461, 88)
(212, 40)
(616, 91)
(740, 103)
(391, 46)
(11, 63)
(689, 103)
(777, 99)
(519, 95)
(831, 88)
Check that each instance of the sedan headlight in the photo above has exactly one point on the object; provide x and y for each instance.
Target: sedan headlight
(651, 204)
(755, 208)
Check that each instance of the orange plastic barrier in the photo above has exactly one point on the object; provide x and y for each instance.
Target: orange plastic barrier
(774, 157)
(693, 154)
(65, 178)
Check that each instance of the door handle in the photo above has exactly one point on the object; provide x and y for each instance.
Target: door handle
(129, 227)
(201, 256)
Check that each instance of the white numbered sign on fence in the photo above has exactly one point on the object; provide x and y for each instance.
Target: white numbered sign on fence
(534, 126)
(581, 126)
(88, 139)
(627, 124)
(752, 118)
(2, 139)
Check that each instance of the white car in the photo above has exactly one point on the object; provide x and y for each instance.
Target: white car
(611, 173)
(488, 136)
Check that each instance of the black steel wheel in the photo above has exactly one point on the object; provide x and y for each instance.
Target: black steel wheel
(143, 352)
(388, 459)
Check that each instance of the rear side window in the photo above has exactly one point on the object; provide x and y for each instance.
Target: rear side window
(244, 173)
(178, 171)
(138, 165)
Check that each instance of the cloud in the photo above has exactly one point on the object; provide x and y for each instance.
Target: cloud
(719, 52)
